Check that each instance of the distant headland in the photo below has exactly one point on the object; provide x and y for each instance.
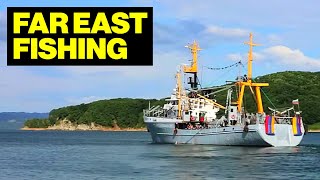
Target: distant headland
(122, 114)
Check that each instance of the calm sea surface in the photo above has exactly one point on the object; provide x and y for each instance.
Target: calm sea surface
(130, 155)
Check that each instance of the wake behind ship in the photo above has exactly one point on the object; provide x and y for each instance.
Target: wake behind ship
(191, 116)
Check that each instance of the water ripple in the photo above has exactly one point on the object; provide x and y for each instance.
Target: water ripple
(130, 155)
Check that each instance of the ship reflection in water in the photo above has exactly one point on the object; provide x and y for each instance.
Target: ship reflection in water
(223, 162)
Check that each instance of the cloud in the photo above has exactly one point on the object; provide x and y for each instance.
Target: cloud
(3, 54)
(3, 26)
(251, 12)
(86, 99)
(235, 57)
(164, 34)
(3, 39)
(175, 24)
(226, 32)
(243, 57)
(295, 23)
(283, 57)
(293, 58)
(18, 81)
(179, 32)
(274, 39)
(259, 56)
(164, 63)
(44, 88)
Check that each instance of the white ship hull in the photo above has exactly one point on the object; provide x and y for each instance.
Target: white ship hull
(162, 131)
(190, 116)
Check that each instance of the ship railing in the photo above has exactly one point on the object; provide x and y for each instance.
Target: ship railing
(278, 119)
(149, 111)
(154, 112)
(283, 120)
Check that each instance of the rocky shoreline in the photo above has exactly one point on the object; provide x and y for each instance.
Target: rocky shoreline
(66, 125)
(314, 131)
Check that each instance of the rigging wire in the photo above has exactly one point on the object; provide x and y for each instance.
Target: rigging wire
(201, 73)
(211, 68)
(215, 79)
(265, 94)
(267, 98)
(244, 67)
(230, 67)
(199, 82)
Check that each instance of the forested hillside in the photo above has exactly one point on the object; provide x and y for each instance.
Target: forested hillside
(125, 112)
(122, 112)
(287, 86)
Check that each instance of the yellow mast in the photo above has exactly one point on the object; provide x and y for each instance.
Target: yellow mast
(194, 47)
(193, 69)
(250, 57)
(249, 83)
(178, 93)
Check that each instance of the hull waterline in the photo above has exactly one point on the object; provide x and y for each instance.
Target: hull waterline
(164, 133)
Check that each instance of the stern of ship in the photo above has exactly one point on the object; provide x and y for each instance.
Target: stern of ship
(283, 135)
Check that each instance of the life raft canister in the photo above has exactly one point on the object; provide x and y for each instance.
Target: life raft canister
(201, 117)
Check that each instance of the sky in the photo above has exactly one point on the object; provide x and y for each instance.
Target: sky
(287, 30)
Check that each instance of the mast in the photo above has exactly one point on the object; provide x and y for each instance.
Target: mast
(193, 69)
(178, 93)
(249, 83)
(250, 57)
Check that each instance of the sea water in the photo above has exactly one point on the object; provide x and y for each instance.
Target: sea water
(131, 155)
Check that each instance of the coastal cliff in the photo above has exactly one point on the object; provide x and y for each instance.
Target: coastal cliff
(122, 114)
(66, 125)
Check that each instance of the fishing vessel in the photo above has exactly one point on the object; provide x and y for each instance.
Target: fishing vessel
(192, 116)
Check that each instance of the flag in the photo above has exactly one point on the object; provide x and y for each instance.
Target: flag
(296, 101)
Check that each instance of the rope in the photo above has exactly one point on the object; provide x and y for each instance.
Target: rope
(261, 88)
(193, 136)
(268, 99)
(218, 77)
(265, 95)
(211, 68)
